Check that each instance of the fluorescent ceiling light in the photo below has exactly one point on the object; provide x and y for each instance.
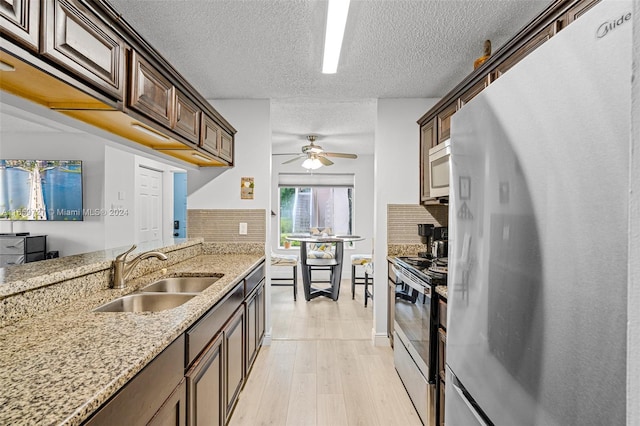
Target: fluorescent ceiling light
(201, 157)
(150, 132)
(336, 20)
(311, 164)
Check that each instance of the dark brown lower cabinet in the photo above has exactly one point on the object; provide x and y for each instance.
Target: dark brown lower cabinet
(233, 345)
(255, 314)
(441, 421)
(442, 361)
(262, 307)
(204, 386)
(174, 410)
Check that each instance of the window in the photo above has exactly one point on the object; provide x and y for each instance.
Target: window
(307, 207)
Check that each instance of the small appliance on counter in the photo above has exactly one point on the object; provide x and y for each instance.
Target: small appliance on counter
(436, 240)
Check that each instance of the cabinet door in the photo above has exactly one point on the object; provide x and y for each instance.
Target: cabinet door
(252, 330)
(210, 136)
(205, 386)
(527, 48)
(442, 351)
(444, 121)
(226, 147)
(174, 410)
(391, 308)
(151, 93)
(84, 45)
(261, 304)
(233, 359)
(441, 420)
(578, 10)
(473, 91)
(20, 20)
(428, 140)
(186, 118)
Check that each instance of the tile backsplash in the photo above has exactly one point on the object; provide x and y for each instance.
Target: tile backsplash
(403, 220)
(222, 225)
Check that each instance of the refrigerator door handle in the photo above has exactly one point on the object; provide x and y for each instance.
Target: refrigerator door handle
(470, 406)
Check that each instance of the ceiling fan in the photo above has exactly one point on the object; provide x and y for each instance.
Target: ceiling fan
(317, 157)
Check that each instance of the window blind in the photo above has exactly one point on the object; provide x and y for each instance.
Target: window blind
(304, 180)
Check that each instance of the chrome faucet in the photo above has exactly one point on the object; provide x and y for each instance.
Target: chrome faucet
(121, 269)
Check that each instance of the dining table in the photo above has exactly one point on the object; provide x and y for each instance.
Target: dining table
(334, 264)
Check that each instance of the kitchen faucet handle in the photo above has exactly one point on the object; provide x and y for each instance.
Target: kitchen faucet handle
(123, 256)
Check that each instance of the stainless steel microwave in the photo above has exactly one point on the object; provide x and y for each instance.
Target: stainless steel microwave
(439, 169)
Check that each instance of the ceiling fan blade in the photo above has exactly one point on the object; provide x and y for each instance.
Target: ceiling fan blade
(340, 155)
(325, 161)
(296, 158)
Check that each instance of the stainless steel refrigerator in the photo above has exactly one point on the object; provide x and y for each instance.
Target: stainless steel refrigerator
(538, 230)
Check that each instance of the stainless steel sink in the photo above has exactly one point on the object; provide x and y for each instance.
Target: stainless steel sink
(180, 285)
(145, 302)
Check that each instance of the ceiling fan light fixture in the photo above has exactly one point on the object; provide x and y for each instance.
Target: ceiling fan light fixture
(337, 12)
(311, 164)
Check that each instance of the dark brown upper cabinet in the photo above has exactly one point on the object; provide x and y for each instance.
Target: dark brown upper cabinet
(186, 118)
(81, 43)
(578, 10)
(428, 139)
(226, 147)
(150, 92)
(20, 20)
(210, 136)
(444, 121)
(473, 91)
(528, 47)
(83, 59)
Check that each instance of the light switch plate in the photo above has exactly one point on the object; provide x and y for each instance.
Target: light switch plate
(243, 228)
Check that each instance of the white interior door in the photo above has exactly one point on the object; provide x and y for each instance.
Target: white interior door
(149, 200)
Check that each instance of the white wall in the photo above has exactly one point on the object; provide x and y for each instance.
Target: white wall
(252, 120)
(397, 168)
(633, 312)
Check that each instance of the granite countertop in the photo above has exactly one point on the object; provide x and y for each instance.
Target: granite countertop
(58, 368)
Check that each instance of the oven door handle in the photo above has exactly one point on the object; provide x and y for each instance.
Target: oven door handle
(411, 283)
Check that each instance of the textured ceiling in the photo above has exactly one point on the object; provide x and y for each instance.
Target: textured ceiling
(273, 49)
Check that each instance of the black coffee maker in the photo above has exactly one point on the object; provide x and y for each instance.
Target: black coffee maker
(430, 234)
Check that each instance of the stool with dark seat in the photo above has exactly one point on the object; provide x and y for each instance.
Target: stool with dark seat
(286, 260)
(366, 279)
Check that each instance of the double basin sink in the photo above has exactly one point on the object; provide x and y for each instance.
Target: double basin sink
(166, 293)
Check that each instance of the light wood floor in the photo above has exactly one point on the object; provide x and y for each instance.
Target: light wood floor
(322, 369)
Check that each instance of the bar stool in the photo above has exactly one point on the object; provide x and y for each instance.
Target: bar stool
(286, 260)
(360, 260)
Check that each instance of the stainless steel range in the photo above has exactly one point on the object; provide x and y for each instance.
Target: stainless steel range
(415, 330)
